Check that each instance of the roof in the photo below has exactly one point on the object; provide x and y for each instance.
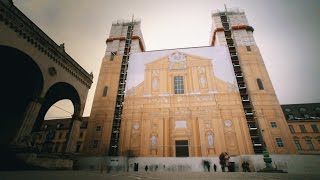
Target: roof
(308, 111)
(64, 123)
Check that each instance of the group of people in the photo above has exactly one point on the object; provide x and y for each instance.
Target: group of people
(206, 165)
(224, 161)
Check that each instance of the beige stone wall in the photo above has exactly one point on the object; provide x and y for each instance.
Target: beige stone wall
(103, 106)
(265, 102)
(310, 134)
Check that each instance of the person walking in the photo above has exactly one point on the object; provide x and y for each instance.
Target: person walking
(222, 161)
(226, 161)
(215, 167)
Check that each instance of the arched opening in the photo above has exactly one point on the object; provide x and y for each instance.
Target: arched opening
(57, 92)
(60, 110)
(22, 82)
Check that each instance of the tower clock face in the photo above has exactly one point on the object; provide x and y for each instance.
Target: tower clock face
(228, 123)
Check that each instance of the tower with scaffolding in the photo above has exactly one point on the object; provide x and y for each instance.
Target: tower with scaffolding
(260, 103)
(104, 127)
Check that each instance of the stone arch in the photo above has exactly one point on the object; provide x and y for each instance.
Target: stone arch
(57, 92)
(22, 83)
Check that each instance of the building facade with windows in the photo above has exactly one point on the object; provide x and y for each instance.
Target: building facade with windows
(53, 135)
(304, 125)
(187, 102)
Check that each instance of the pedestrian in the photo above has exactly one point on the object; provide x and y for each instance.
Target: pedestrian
(222, 161)
(215, 167)
(243, 165)
(226, 160)
(146, 168)
(247, 166)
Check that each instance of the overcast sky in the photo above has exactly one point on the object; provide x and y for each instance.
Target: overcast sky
(286, 31)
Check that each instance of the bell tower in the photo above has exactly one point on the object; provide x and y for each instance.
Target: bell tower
(266, 123)
(105, 120)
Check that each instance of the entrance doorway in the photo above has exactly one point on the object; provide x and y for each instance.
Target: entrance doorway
(182, 148)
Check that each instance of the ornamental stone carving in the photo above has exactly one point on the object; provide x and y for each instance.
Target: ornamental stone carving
(177, 60)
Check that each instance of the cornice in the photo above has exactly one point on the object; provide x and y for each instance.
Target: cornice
(25, 28)
(121, 38)
(238, 27)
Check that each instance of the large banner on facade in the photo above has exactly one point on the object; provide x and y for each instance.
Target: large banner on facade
(200, 70)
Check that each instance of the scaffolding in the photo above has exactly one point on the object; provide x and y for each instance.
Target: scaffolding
(115, 133)
(250, 116)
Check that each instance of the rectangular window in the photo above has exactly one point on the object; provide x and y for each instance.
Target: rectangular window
(291, 129)
(178, 85)
(302, 128)
(56, 148)
(309, 144)
(279, 142)
(274, 125)
(105, 91)
(60, 135)
(314, 128)
(81, 135)
(297, 143)
(95, 143)
(260, 85)
(78, 147)
(114, 53)
(248, 48)
(181, 124)
(98, 128)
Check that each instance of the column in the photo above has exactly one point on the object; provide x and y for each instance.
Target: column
(74, 132)
(166, 138)
(30, 117)
(195, 127)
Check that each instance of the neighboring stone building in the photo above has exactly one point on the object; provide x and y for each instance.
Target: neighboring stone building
(52, 137)
(37, 73)
(304, 123)
(186, 102)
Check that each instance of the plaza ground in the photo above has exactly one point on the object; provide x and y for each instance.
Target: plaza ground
(95, 175)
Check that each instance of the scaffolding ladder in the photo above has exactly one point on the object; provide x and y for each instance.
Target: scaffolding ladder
(115, 133)
(250, 116)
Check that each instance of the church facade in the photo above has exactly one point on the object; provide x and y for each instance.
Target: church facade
(187, 102)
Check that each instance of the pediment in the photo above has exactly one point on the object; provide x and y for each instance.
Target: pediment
(178, 60)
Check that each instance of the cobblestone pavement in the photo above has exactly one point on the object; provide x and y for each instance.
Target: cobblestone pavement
(92, 175)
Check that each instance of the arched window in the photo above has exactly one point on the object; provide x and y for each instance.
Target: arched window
(302, 110)
(260, 85)
(288, 110)
(210, 140)
(153, 141)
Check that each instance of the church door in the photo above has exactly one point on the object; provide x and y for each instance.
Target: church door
(182, 148)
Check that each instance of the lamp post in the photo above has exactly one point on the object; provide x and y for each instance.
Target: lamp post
(267, 159)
